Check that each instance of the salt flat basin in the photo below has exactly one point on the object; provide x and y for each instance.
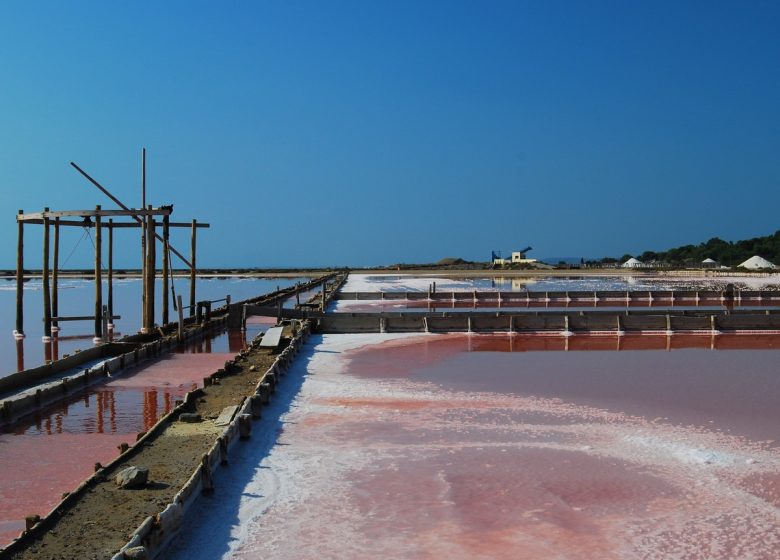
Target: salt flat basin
(376, 282)
(420, 446)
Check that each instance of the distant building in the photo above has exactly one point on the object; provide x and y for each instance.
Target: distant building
(518, 257)
(633, 263)
(709, 263)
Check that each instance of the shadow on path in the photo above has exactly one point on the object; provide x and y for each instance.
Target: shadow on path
(209, 524)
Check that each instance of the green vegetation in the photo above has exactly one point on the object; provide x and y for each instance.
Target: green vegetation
(729, 253)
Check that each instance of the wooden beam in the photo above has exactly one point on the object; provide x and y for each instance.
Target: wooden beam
(150, 274)
(193, 271)
(55, 272)
(165, 272)
(46, 294)
(81, 318)
(119, 203)
(98, 278)
(131, 212)
(133, 225)
(144, 231)
(110, 267)
(20, 279)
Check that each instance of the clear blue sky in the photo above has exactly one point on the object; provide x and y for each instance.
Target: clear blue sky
(373, 132)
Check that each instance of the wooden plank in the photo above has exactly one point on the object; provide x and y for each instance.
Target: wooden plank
(81, 318)
(134, 225)
(272, 337)
(94, 213)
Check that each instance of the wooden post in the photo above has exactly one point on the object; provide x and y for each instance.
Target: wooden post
(143, 239)
(193, 269)
(165, 271)
(46, 294)
(181, 317)
(150, 272)
(98, 278)
(105, 318)
(20, 278)
(110, 272)
(55, 272)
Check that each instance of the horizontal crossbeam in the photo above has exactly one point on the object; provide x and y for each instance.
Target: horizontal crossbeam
(80, 318)
(105, 225)
(93, 213)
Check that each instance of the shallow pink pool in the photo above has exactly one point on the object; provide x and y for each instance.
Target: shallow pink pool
(449, 446)
(53, 451)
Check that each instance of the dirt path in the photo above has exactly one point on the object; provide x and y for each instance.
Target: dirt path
(102, 521)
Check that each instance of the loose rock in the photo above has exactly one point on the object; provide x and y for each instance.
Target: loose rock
(132, 477)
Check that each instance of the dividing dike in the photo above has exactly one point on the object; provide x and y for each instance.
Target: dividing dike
(183, 453)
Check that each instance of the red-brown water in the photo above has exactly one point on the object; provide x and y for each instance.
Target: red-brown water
(422, 447)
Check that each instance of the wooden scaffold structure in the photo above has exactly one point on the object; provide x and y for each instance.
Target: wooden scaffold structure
(154, 224)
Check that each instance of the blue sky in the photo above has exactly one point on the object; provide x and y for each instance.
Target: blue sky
(361, 133)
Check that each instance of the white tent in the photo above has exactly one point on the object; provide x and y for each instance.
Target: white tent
(755, 262)
(632, 263)
(708, 263)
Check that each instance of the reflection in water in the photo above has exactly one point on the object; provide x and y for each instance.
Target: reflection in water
(124, 410)
(19, 354)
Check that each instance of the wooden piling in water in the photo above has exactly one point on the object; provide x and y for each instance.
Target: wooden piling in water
(110, 270)
(45, 280)
(55, 271)
(165, 271)
(193, 267)
(98, 277)
(150, 272)
(180, 311)
(20, 277)
(143, 239)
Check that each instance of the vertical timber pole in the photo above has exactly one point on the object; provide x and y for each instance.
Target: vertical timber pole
(143, 239)
(150, 272)
(55, 272)
(110, 273)
(45, 279)
(165, 270)
(194, 268)
(98, 278)
(19, 332)
(181, 318)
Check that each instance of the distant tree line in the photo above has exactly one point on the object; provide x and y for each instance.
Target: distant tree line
(729, 253)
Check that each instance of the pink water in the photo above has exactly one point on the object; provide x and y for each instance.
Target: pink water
(422, 447)
(53, 451)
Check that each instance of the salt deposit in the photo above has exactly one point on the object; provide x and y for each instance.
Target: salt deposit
(359, 464)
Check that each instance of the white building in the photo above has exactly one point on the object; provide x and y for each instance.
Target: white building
(709, 263)
(632, 263)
